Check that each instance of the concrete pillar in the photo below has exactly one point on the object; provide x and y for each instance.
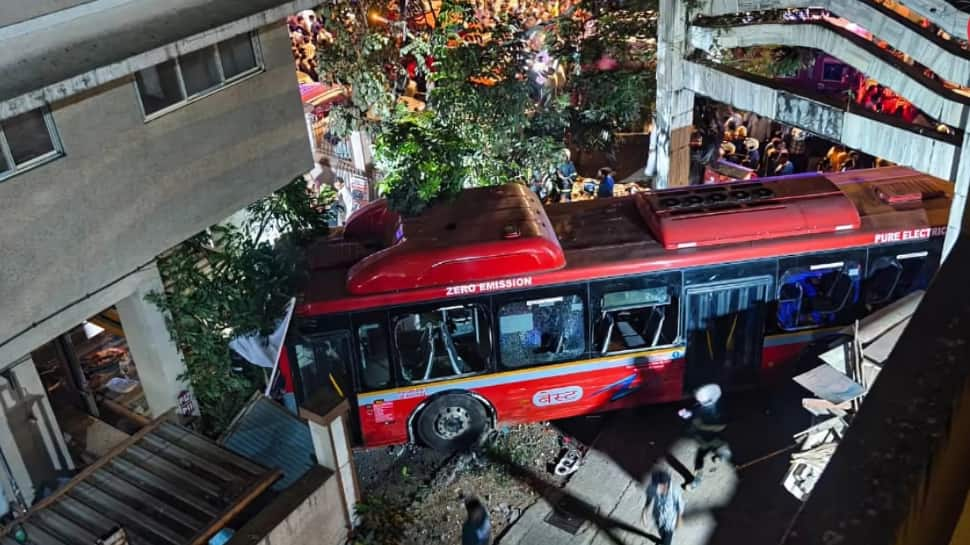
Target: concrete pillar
(30, 437)
(961, 187)
(332, 448)
(360, 150)
(675, 102)
(156, 356)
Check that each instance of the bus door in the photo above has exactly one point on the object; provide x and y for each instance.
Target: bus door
(725, 331)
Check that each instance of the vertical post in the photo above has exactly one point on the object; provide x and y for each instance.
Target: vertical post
(32, 389)
(675, 102)
(961, 187)
(74, 374)
(153, 351)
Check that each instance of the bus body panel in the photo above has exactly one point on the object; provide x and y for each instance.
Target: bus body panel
(538, 393)
(807, 278)
(565, 390)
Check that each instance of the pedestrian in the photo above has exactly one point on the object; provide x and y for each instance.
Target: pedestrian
(477, 529)
(664, 505)
(784, 166)
(605, 189)
(566, 173)
(707, 422)
(345, 201)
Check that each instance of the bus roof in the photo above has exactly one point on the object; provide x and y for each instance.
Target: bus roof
(500, 238)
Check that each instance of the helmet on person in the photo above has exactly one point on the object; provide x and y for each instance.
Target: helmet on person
(708, 394)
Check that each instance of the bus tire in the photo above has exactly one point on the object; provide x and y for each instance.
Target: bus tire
(451, 422)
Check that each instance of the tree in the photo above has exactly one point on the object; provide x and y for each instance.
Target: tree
(487, 121)
(613, 60)
(231, 280)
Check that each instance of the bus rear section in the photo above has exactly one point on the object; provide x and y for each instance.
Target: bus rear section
(454, 322)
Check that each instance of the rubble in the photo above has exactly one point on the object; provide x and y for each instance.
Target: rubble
(425, 490)
(841, 383)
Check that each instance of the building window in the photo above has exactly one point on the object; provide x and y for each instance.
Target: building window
(26, 141)
(193, 75)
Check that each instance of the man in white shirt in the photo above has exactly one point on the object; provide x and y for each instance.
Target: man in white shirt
(345, 201)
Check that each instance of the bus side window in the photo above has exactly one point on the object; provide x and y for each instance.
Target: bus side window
(322, 361)
(375, 366)
(630, 319)
(540, 331)
(891, 277)
(443, 343)
(818, 295)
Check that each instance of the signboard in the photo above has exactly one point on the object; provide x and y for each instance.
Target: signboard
(557, 396)
(186, 403)
(807, 114)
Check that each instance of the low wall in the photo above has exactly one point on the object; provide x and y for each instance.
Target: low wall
(309, 512)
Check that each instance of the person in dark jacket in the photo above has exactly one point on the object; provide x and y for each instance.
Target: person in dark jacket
(477, 529)
(566, 175)
(707, 422)
(605, 189)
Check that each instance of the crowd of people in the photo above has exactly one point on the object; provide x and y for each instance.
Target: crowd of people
(784, 150)
(306, 35)
(563, 183)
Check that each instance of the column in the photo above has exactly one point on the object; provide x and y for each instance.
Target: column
(675, 103)
(961, 186)
(31, 441)
(155, 354)
(360, 150)
(332, 448)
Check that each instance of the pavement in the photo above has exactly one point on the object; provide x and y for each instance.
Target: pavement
(731, 506)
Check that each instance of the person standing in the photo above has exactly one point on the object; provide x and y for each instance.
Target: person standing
(784, 166)
(566, 173)
(605, 189)
(477, 529)
(706, 425)
(664, 505)
(345, 201)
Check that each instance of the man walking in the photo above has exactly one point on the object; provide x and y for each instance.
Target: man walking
(477, 529)
(707, 423)
(664, 506)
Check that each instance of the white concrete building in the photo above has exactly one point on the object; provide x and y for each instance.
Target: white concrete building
(681, 76)
(126, 126)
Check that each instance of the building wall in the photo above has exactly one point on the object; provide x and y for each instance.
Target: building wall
(16, 11)
(127, 190)
(309, 511)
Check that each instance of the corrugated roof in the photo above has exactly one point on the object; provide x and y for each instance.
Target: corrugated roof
(267, 432)
(166, 485)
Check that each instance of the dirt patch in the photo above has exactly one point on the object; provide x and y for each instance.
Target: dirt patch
(413, 496)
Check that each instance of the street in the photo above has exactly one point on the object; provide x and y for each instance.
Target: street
(731, 506)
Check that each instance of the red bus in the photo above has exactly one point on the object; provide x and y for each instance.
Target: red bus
(493, 309)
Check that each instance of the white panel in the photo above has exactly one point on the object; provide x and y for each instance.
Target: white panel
(322, 446)
(340, 445)
(350, 495)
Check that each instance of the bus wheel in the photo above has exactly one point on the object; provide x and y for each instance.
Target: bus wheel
(452, 422)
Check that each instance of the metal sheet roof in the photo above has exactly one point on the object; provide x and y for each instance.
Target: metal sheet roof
(267, 432)
(166, 485)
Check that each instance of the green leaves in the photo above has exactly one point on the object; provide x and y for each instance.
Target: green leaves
(232, 280)
(485, 123)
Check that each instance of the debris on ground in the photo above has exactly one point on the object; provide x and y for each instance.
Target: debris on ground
(415, 496)
(841, 384)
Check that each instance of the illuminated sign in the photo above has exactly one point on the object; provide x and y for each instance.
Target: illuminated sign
(909, 234)
(491, 285)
